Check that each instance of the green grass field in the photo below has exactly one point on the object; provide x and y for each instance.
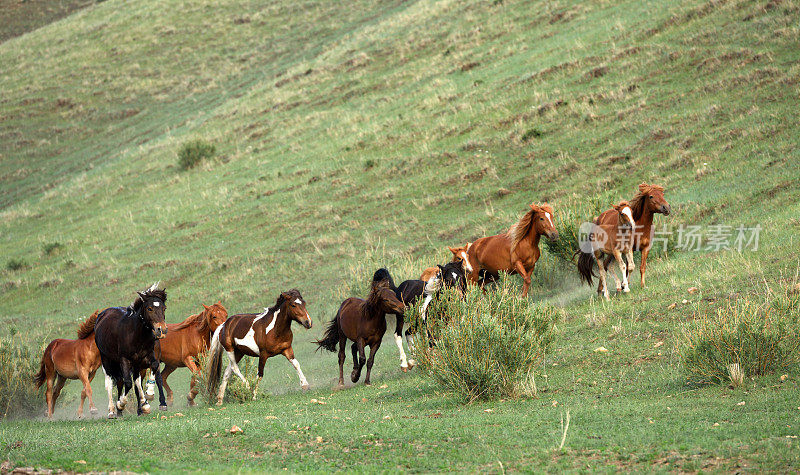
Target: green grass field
(353, 135)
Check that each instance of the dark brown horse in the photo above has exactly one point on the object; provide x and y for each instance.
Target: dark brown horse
(186, 340)
(261, 335)
(70, 359)
(611, 235)
(515, 251)
(363, 322)
(126, 339)
(649, 201)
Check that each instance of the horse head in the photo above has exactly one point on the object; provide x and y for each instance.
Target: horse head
(452, 275)
(385, 298)
(543, 221)
(460, 255)
(215, 315)
(655, 201)
(151, 306)
(625, 215)
(295, 307)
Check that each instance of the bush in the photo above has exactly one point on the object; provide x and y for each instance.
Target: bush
(16, 264)
(236, 391)
(568, 220)
(51, 248)
(759, 338)
(195, 151)
(486, 345)
(18, 393)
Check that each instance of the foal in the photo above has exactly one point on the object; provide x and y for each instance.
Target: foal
(459, 255)
(70, 359)
(364, 322)
(262, 335)
(186, 340)
(612, 234)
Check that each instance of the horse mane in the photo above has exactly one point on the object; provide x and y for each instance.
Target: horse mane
(381, 275)
(87, 327)
(518, 231)
(637, 203)
(153, 292)
(374, 294)
(294, 294)
(193, 320)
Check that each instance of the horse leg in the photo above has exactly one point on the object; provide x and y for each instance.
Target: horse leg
(224, 384)
(162, 402)
(410, 342)
(602, 271)
(92, 407)
(398, 340)
(127, 381)
(48, 395)
(143, 407)
(87, 391)
(59, 383)
(109, 383)
(643, 264)
(362, 359)
(262, 358)
(622, 269)
(606, 264)
(289, 354)
(164, 375)
(342, 357)
(631, 263)
(189, 362)
(234, 363)
(372, 350)
(526, 277)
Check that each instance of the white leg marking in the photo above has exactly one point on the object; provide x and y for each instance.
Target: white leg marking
(235, 366)
(143, 399)
(224, 384)
(424, 308)
(410, 341)
(398, 340)
(296, 364)
(110, 389)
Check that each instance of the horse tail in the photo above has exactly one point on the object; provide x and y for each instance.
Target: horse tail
(214, 365)
(87, 328)
(40, 377)
(331, 337)
(585, 265)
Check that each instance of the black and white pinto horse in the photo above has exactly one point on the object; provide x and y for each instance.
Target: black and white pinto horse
(126, 338)
(450, 275)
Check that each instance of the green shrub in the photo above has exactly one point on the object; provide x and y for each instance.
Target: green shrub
(195, 151)
(758, 337)
(18, 393)
(568, 220)
(51, 248)
(486, 345)
(236, 391)
(16, 264)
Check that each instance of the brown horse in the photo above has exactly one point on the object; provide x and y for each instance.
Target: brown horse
(459, 255)
(649, 201)
(186, 340)
(70, 359)
(612, 235)
(260, 335)
(363, 322)
(515, 251)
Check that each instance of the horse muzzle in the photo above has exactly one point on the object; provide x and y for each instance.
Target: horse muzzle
(553, 236)
(666, 210)
(160, 332)
(308, 324)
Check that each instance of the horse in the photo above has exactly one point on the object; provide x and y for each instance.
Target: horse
(647, 202)
(70, 359)
(262, 335)
(459, 255)
(363, 322)
(407, 292)
(186, 340)
(515, 251)
(612, 234)
(126, 339)
(451, 275)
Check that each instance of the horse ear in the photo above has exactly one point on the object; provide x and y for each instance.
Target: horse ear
(205, 306)
(141, 294)
(643, 186)
(454, 251)
(286, 296)
(441, 268)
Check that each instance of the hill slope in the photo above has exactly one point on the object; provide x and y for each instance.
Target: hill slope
(352, 135)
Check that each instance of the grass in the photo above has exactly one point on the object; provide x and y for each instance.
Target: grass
(377, 133)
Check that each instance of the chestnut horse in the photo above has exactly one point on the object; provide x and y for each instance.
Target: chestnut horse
(649, 201)
(364, 322)
(186, 340)
(611, 234)
(70, 359)
(261, 335)
(515, 251)
(459, 255)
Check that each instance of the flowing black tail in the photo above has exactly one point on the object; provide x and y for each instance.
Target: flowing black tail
(331, 337)
(585, 265)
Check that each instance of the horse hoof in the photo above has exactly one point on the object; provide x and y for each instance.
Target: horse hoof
(162, 407)
(411, 363)
(80, 415)
(404, 368)
(93, 410)
(367, 383)
(191, 402)
(146, 409)
(626, 290)
(112, 415)
(354, 377)
(339, 387)
(305, 387)
(219, 402)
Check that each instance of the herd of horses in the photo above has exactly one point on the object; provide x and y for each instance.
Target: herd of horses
(126, 342)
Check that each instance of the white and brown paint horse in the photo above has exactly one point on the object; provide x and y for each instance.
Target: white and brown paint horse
(260, 335)
(459, 255)
(611, 235)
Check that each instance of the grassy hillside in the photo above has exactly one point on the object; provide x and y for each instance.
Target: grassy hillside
(376, 133)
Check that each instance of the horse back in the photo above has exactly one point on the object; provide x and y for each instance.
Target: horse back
(410, 290)
(492, 253)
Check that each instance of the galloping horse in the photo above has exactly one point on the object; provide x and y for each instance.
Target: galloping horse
(459, 255)
(407, 292)
(450, 276)
(126, 338)
(364, 322)
(515, 251)
(70, 359)
(261, 335)
(612, 234)
(649, 201)
(186, 340)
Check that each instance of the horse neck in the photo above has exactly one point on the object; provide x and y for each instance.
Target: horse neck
(282, 321)
(533, 237)
(645, 221)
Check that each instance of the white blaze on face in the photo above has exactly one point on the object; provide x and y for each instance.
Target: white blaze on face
(298, 302)
(549, 219)
(156, 304)
(627, 212)
(467, 265)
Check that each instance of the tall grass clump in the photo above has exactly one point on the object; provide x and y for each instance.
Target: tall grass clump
(485, 345)
(18, 393)
(568, 220)
(236, 390)
(742, 339)
(195, 151)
